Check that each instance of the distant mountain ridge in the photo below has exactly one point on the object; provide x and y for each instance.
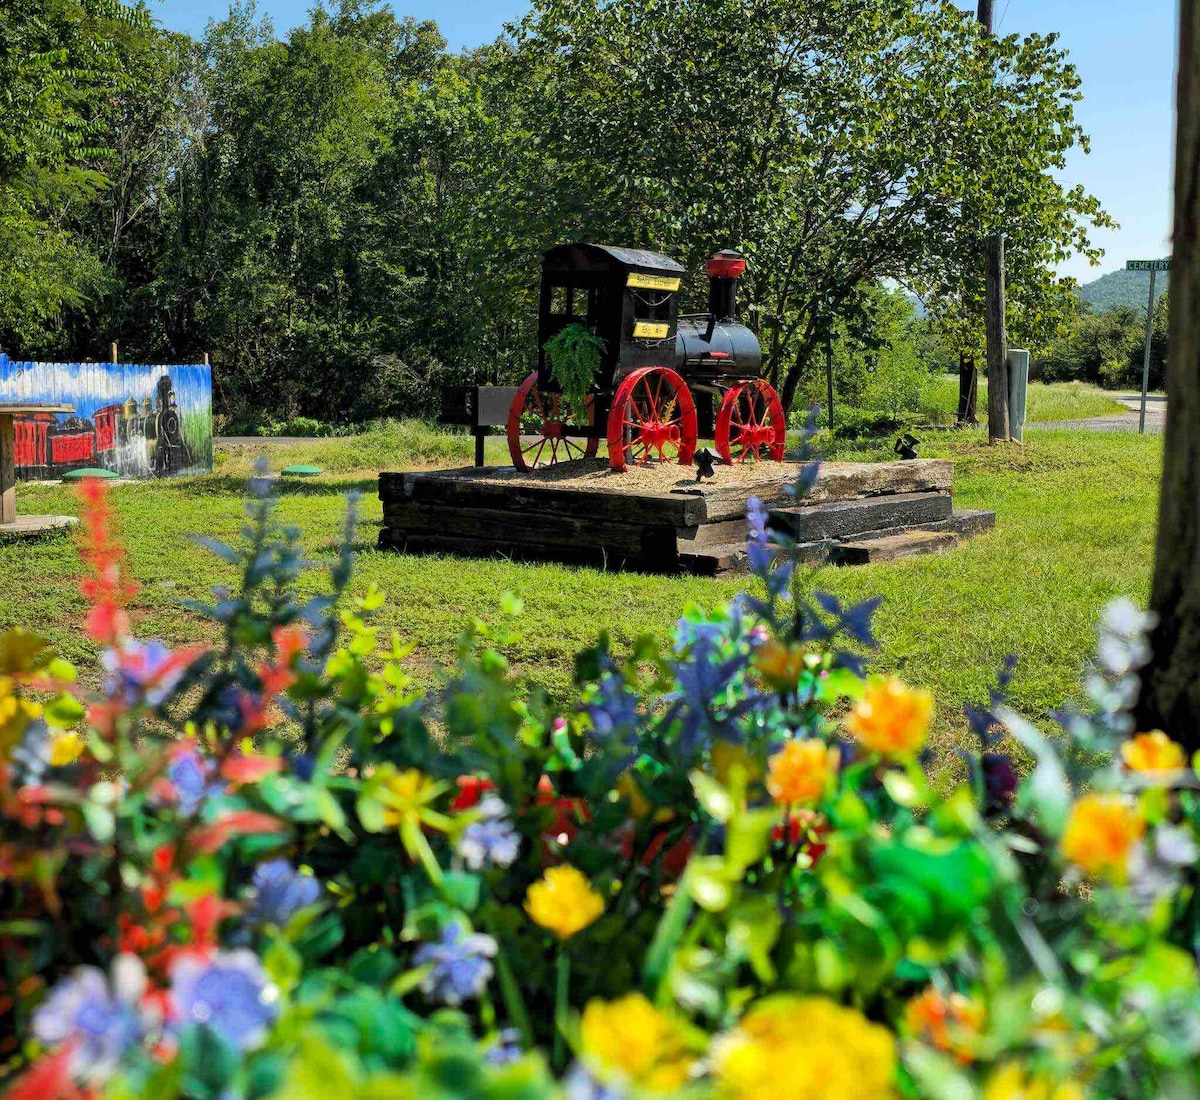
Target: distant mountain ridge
(1123, 288)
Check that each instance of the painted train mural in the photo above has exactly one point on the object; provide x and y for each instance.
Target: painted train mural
(139, 421)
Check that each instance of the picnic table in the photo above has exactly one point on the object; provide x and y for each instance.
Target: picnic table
(9, 411)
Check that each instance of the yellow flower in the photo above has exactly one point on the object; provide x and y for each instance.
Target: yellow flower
(800, 772)
(631, 1043)
(1010, 1082)
(563, 901)
(891, 718)
(949, 1023)
(406, 796)
(1101, 830)
(15, 713)
(805, 1048)
(67, 748)
(779, 664)
(1152, 752)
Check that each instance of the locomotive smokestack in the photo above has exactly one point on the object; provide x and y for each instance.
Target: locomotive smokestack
(724, 270)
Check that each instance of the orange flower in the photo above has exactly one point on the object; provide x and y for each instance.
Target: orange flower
(891, 718)
(779, 664)
(801, 770)
(1152, 752)
(1100, 832)
(949, 1023)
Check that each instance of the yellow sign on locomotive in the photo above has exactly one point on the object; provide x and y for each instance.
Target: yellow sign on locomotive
(653, 282)
(652, 330)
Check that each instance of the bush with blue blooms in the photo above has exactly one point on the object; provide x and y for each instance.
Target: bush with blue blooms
(273, 868)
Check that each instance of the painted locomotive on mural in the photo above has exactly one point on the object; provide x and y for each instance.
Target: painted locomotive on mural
(130, 437)
(664, 379)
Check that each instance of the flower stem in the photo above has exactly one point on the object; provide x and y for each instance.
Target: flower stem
(562, 1005)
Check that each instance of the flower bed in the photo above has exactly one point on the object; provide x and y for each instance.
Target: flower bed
(273, 869)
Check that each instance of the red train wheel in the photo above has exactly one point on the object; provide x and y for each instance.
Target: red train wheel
(750, 423)
(536, 424)
(652, 411)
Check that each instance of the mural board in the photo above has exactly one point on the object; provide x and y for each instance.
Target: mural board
(134, 419)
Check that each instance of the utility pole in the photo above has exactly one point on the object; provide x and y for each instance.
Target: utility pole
(997, 325)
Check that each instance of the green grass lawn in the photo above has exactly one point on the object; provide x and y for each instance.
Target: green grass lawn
(1052, 401)
(1076, 516)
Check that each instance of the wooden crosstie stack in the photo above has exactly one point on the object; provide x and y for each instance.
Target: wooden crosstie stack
(660, 520)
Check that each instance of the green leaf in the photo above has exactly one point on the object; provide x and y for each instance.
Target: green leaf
(712, 796)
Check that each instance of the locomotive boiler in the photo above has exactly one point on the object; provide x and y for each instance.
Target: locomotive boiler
(664, 379)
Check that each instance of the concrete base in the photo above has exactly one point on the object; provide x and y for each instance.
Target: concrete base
(25, 527)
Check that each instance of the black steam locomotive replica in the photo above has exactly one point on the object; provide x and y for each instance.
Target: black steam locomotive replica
(664, 379)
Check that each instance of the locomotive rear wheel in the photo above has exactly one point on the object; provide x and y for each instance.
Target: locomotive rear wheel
(652, 411)
(750, 423)
(538, 424)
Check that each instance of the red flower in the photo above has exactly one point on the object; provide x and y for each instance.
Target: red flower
(250, 768)
(471, 788)
(49, 1078)
(239, 823)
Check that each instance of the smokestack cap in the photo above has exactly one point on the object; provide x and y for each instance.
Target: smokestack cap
(726, 265)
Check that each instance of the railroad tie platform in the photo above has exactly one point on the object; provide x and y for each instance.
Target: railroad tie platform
(658, 519)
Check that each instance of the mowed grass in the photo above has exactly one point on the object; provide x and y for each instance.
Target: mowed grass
(1076, 515)
(1045, 401)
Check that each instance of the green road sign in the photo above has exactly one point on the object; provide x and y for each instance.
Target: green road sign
(1148, 265)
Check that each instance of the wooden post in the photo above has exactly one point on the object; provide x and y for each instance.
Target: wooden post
(206, 362)
(997, 324)
(113, 352)
(1170, 698)
(8, 469)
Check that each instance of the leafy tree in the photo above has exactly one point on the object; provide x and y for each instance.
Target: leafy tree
(60, 65)
(834, 143)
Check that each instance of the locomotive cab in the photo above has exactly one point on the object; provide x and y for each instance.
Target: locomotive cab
(625, 296)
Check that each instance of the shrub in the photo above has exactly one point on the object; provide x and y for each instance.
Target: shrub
(271, 868)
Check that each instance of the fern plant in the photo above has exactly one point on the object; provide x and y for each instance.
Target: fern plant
(574, 355)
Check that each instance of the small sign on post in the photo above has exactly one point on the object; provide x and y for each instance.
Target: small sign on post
(1154, 267)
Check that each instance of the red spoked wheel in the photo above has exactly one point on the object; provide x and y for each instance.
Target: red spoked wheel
(750, 423)
(652, 412)
(537, 427)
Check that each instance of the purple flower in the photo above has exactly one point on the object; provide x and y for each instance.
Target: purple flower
(490, 841)
(140, 672)
(100, 1018)
(191, 778)
(1000, 781)
(229, 994)
(505, 1047)
(579, 1084)
(459, 966)
(278, 891)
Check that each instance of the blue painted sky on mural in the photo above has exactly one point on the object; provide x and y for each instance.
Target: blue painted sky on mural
(91, 386)
(1125, 54)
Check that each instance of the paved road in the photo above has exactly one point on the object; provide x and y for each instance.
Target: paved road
(1156, 414)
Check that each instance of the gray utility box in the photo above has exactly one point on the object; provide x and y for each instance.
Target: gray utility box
(1018, 389)
(479, 408)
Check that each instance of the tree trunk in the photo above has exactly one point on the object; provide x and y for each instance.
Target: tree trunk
(1171, 682)
(997, 343)
(968, 389)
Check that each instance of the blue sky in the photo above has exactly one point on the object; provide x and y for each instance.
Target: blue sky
(1125, 54)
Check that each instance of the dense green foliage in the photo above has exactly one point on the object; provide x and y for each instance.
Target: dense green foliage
(1108, 347)
(349, 218)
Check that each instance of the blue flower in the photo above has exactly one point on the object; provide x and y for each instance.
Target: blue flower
(613, 708)
(491, 841)
(30, 759)
(100, 1020)
(229, 994)
(459, 966)
(191, 778)
(140, 672)
(278, 891)
(505, 1047)
(579, 1084)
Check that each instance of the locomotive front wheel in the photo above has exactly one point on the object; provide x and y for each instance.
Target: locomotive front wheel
(538, 424)
(653, 414)
(750, 423)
